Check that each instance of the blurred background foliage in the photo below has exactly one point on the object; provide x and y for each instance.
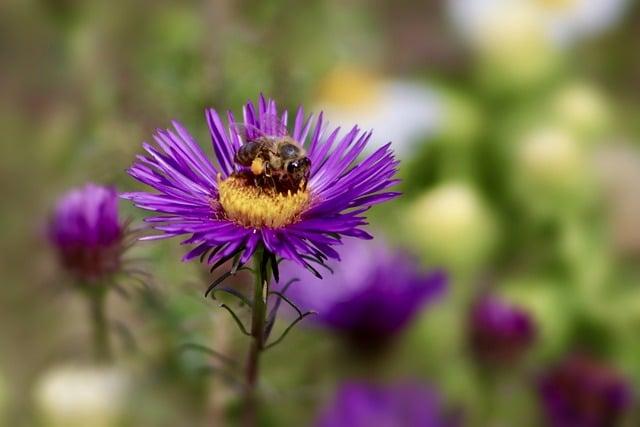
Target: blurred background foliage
(520, 169)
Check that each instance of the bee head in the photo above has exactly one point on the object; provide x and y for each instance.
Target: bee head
(288, 151)
(298, 165)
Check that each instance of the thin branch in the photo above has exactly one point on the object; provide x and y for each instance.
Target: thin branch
(223, 260)
(216, 282)
(221, 279)
(141, 282)
(204, 349)
(204, 254)
(287, 300)
(236, 264)
(135, 260)
(137, 271)
(312, 270)
(237, 319)
(127, 337)
(120, 290)
(263, 264)
(212, 370)
(286, 331)
(235, 293)
(213, 252)
(321, 263)
(271, 320)
(274, 268)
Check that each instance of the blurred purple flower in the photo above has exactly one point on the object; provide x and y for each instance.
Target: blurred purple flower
(583, 392)
(224, 211)
(499, 333)
(372, 295)
(358, 404)
(87, 233)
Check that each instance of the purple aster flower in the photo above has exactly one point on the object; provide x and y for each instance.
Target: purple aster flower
(372, 296)
(228, 208)
(581, 391)
(358, 404)
(499, 333)
(87, 233)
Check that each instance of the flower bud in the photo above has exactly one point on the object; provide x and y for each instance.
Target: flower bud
(499, 332)
(543, 301)
(582, 391)
(86, 232)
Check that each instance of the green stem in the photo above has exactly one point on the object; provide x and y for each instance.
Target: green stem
(258, 321)
(101, 342)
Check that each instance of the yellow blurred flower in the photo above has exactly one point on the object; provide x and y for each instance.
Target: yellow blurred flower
(556, 4)
(450, 224)
(551, 157)
(350, 87)
(552, 170)
(583, 108)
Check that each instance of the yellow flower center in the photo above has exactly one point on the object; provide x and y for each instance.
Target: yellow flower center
(253, 206)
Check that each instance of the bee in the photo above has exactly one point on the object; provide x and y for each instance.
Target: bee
(279, 161)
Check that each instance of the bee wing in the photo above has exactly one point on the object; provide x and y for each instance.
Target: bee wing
(273, 126)
(246, 132)
(270, 126)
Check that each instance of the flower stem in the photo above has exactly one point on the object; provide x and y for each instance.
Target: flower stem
(101, 342)
(258, 321)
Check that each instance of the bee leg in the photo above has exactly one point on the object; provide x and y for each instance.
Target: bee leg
(258, 166)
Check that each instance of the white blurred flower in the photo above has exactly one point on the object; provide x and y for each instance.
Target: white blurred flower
(399, 111)
(562, 21)
(74, 396)
(479, 20)
(509, 38)
(450, 224)
(570, 20)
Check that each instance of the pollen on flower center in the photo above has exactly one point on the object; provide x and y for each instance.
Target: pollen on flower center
(254, 206)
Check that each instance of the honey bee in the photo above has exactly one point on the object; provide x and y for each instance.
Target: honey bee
(279, 161)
